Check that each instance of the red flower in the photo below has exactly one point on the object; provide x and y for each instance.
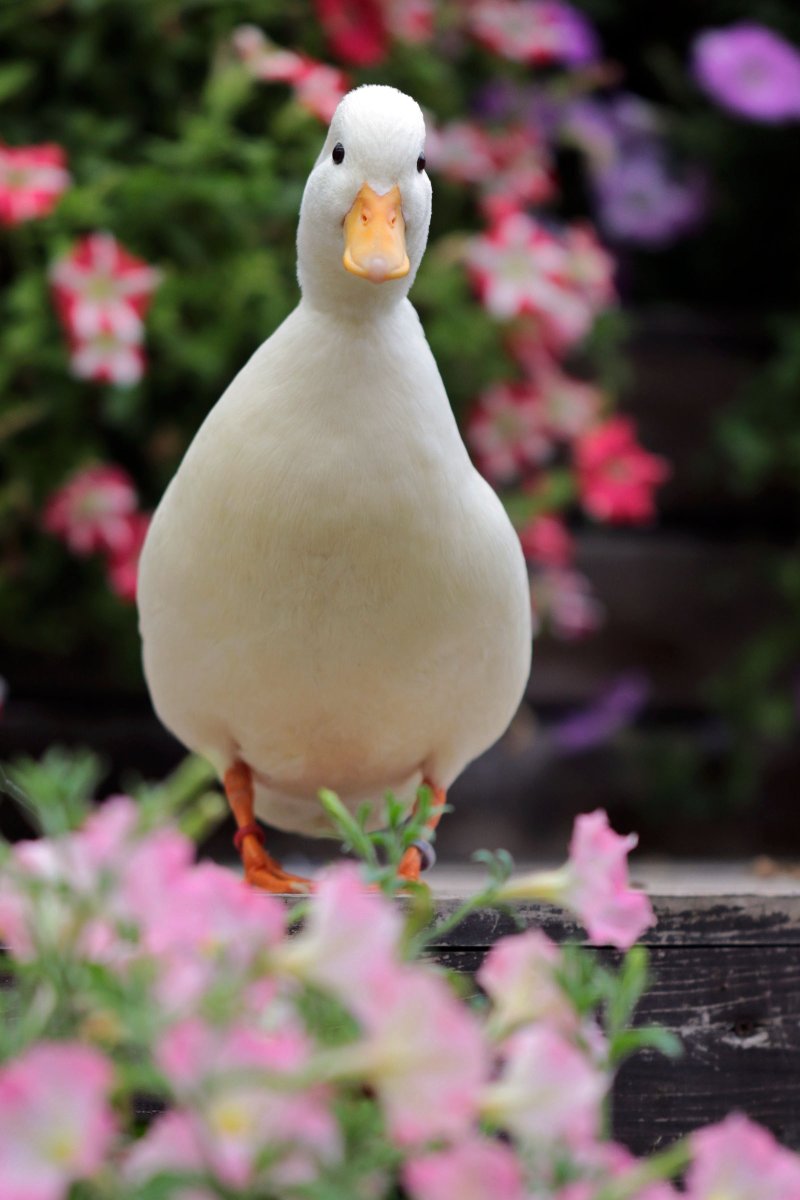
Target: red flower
(547, 540)
(356, 29)
(616, 476)
(317, 86)
(99, 287)
(31, 180)
(92, 511)
(123, 567)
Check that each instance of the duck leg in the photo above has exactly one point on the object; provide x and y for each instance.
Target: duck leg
(421, 855)
(260, 869)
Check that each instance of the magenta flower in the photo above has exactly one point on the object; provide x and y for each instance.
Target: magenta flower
(56, 1125)
(32, 178)
(534, 31)
(750, 70)
(92, 511)
(739, 1160)
(616, 477)
(507, 431)
(641, 201)
(547, 1091)
(171, 1144)
(547, 541)
(472, 1170)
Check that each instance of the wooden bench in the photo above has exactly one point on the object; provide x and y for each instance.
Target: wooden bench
(725, 962)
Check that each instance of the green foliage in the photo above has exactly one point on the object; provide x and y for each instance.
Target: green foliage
(56, 791)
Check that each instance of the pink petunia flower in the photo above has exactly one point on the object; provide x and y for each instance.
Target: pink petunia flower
(472, 1170)
(123, 565)
(461, 151)
(317, 86)
(534, 31)
(521, 174)
(92, 511)
(171, 1144)
(616, 477)
(236, 1116)
(352, 937)
(593, 884)
(425, 1056)
(739, 1160)
(547, 1091)
(56, 1125)
(507, 431)
(410, 20)
(109, 356)
(565, 601)
(100, 289)
(519, 267)
(572, 407)
(598, 889)
(215, 926)
(546, 540)
(750, 70)
(32, 178)
(519, 976)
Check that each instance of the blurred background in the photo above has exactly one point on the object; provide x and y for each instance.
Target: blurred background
(612, 292)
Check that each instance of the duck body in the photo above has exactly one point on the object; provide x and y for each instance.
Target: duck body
(329, 592)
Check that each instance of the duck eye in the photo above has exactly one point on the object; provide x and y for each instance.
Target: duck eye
(338, 153)
(421, 163)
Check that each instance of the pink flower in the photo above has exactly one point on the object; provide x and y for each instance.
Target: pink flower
(351, 937)
(521, 174)
(472, 1170)
(565, 600)
(171, 1144)
(602, 1161)
(109, 356)
(593, 884)
(615, 475)
(236, 1116)
(547, 1091)
(572, 406)
(92, 511)
(355, 29)
(55, 1122)
(507, 431)
(461, 151)
(214, 927)
(410, 20)
(519, 267)
(534, 31)
(750, 70)
(31, 180)
(738, 1160)
(102, 289)
(317, 86)
(425, 1056)
(598, 890)
(123, 565)
(519, 976)
(547, 540)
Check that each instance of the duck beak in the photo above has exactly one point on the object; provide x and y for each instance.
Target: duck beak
(375, 236)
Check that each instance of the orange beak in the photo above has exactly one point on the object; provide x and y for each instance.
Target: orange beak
(375, 236)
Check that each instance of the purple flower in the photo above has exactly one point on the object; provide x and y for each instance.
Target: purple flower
(749, 70)
(614, 710)
(641, 201)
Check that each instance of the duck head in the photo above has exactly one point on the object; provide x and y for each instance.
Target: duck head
(366, 206)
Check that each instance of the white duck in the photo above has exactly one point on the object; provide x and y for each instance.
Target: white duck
(330, 594)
